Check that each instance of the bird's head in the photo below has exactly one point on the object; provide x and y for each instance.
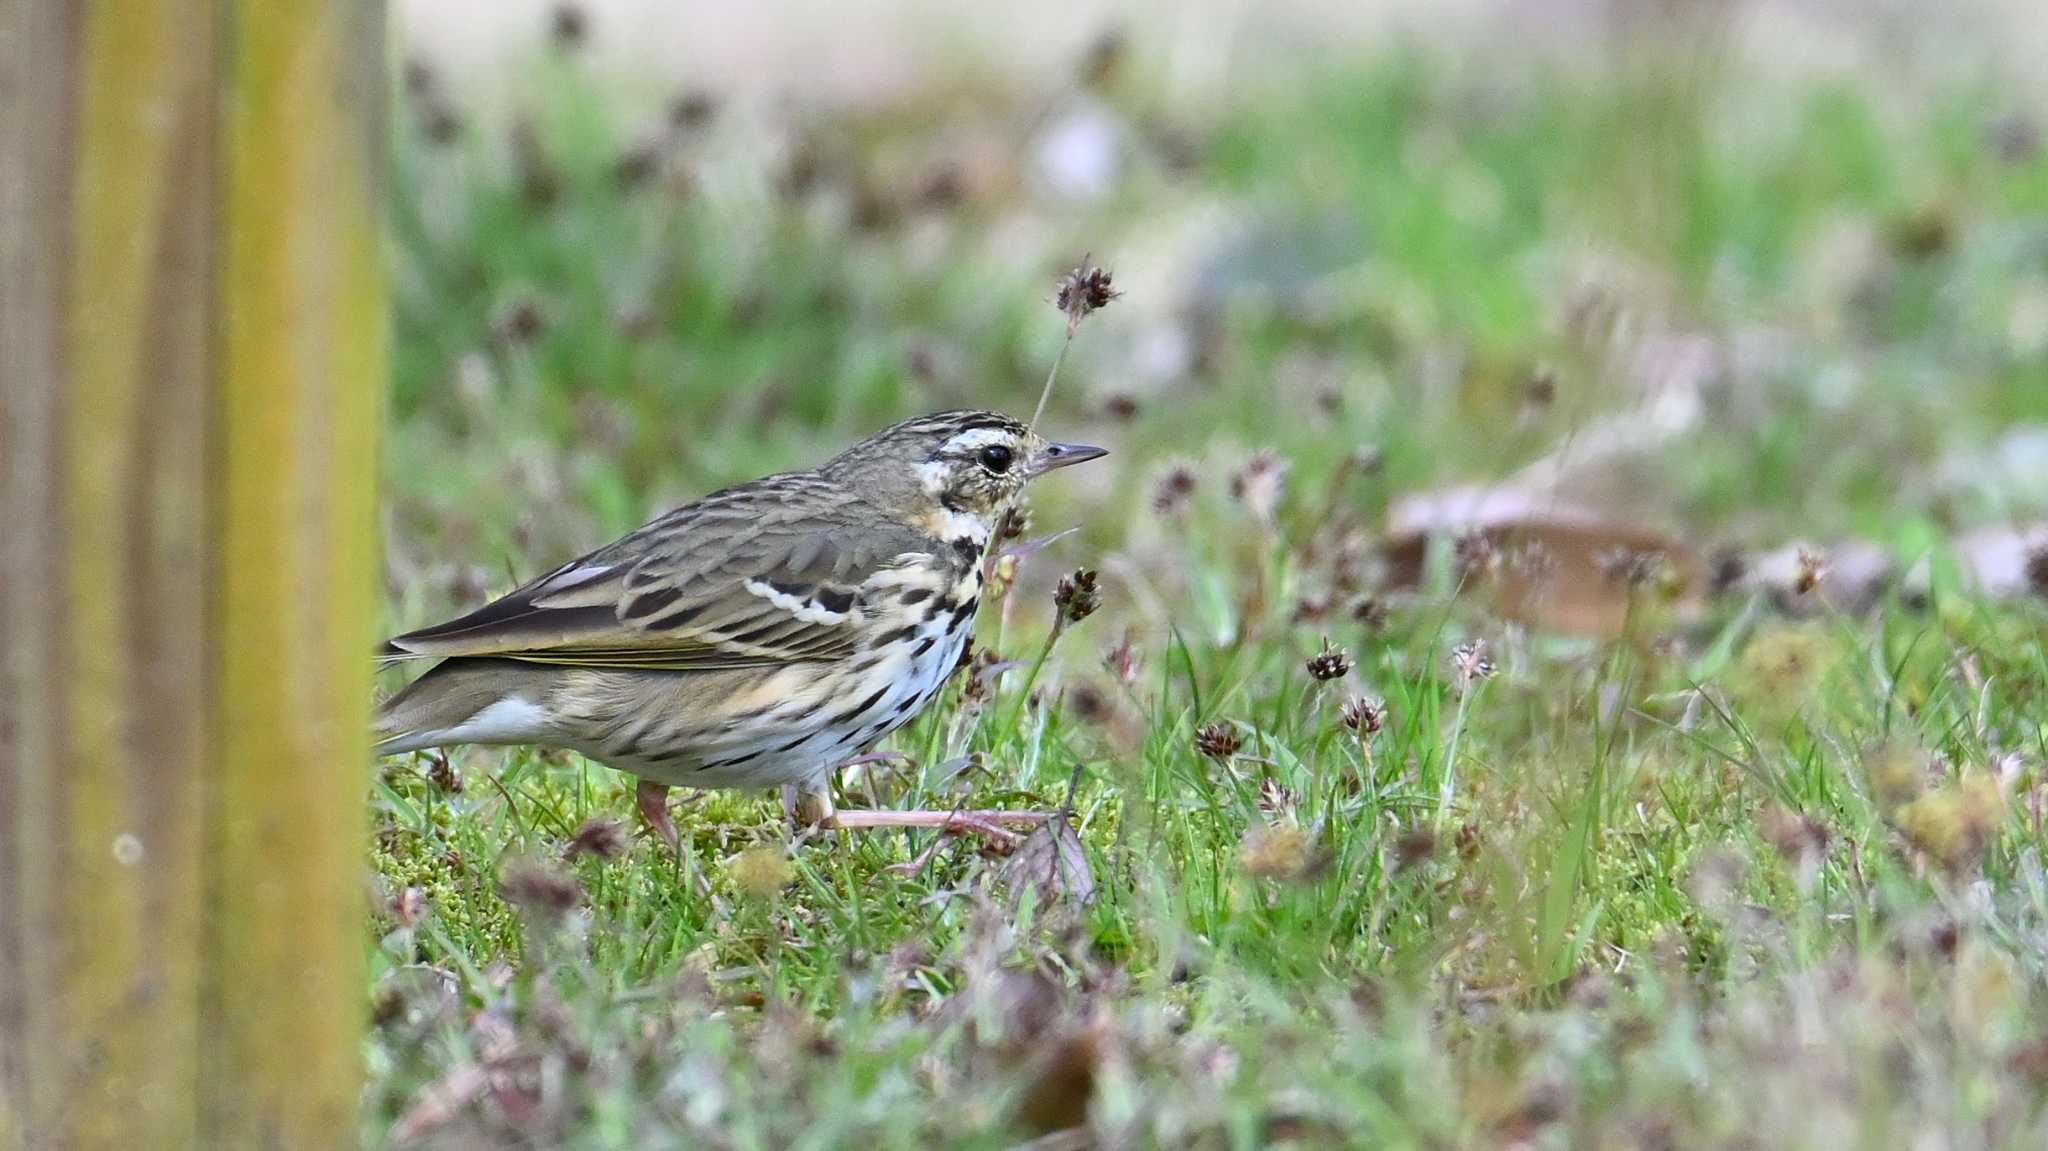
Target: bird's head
(957, 471)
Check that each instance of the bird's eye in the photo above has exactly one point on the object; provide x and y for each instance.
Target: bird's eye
(996, 458)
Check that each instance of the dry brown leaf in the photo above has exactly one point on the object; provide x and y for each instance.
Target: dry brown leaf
(1053, 862)
(1542, 562)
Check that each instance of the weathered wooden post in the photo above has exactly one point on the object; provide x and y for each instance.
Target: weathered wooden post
(191, 357)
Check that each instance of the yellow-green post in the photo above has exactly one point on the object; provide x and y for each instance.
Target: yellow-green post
(192, 321)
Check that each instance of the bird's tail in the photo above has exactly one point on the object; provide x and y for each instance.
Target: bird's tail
(467, 701)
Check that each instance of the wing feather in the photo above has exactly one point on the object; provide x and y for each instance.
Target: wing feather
(767, 573)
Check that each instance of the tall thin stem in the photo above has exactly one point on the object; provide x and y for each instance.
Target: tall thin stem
(1050, 376)
(1449, 784)
(1031, 678)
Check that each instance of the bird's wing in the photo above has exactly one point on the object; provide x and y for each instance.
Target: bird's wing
(767, 573)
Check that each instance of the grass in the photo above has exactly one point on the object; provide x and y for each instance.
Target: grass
(1738, 876)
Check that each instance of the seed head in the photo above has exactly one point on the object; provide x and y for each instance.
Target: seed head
(420, 77)
(1800, 839)
(940, 187)
(1413, 846)
(604, 838)
(521, 322)
(1363, 714)
(1813, 568)
(1332, 662)
(1104, 56)
(442, 774)
(1219, 741)
(438, 119)
(1470, 662)
(1372, 611)
(540, 890)
(1726, 571)
(1277, 800)
(691, 110)
(637, 164)
(1172, 490)
(1090, 704)
(1124, 660)
(1467, 841)
(440, 123)
(569, 26)
(1474, 554)
(1015, 522)
(1084, 290)
(1077, 596)
(540, 184)
(980, 683)
(1259, 484)
(2037, 569)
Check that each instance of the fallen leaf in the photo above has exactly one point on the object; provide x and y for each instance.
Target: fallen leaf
(1543, 562)
(1053, 862)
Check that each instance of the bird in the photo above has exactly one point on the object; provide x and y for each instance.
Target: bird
(756, 638)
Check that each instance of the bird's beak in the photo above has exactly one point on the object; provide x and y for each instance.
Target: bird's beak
(1064, 455)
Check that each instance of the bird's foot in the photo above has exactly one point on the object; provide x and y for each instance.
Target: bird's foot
(652, 800)
(987, 826)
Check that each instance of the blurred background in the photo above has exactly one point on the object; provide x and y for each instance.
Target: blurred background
(1743, 272)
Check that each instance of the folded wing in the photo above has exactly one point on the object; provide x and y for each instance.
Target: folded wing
(730, 581)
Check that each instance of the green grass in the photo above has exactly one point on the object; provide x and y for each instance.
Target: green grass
(1570, 905)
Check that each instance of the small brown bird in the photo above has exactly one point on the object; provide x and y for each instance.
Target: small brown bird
(759, 637)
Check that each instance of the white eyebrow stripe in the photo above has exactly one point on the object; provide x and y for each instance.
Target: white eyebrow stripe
(978, 437)
(806, 610)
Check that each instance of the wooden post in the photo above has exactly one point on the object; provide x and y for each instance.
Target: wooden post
(191, 359)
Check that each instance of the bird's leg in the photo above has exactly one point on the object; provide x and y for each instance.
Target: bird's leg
(807, 806)
(652, 800)
(986, 824)
(810, 805)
